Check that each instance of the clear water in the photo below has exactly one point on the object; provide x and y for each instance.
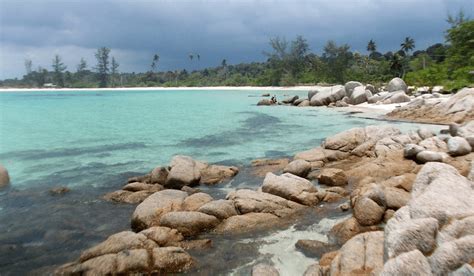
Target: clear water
(91, 141)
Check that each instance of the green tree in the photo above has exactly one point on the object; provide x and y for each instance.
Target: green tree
(58, 69)
(154, 63)
(461, 42)
(28, 66)
(114, 72)
(82, 66)
(337, 59)
(102, 67)
(407, 45)
(458, 19)
(371, 47)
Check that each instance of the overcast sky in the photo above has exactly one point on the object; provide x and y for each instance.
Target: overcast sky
(236, 30)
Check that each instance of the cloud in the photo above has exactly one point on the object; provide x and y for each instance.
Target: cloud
(236, 30)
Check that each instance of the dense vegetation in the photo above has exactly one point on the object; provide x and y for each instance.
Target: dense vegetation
(289, 63)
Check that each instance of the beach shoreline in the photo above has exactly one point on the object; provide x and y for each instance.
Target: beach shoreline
(243, 88)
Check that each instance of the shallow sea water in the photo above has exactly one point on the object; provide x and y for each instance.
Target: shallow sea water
(92, 141)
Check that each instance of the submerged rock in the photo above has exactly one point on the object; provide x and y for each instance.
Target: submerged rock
(313, 248)
(266, 102)
(4, 177)
(260, 167)
(59, 190)
(264, 270)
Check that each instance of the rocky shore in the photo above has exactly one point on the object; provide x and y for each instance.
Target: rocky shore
(410, 194)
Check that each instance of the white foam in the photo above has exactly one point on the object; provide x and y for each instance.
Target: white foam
(280, 246)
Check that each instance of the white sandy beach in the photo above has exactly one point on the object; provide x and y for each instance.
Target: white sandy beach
(244, 88)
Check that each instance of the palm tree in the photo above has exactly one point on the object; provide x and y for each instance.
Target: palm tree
(198, 56)
(371, 47)
(396, 64)
(154, 64)
(408, 44)
(191, 56)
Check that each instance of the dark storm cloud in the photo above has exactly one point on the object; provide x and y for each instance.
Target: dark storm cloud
(235, 30)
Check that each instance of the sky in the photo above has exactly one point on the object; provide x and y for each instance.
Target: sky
(235, 30)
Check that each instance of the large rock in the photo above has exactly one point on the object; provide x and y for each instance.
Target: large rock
(195, 201)
(313, 248)
(264, 270)
(321, 155)
(434, 230)
(332, 177)
(290, 100)
(298, 167)
(125, 240)
(396, 97)
(458, 108)
(346, 229)
(430, 156)
(397, 84)
(159, 175)
(163, 236)
(184, 172)
(260, 167)
(359, 95)
(361, 255)
(291, 187)
(350, 86)
(149, 212)
(368, 212)
(221, 209)
(441, 192)
(396, 198)
(247, 223)
(266, 102)
(189, 223)
(350, 139)
(409, 263)
(167, 260)
(214, 174)
(328, 95)
(458, 146)
(4, 177)
(250, 201)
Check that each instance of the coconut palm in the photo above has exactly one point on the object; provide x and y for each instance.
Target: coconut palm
(191, 56)
(408, 44)
(154, 64)
(371, 47)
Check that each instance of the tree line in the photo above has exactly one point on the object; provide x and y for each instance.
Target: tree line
(288, 63)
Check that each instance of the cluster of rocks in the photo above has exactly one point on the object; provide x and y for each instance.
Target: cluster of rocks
(432, 235)
(182, 173)
(352, 93)
(366, 166)
(459, 108)
(458, 141)
(163, 221)
(4, 177)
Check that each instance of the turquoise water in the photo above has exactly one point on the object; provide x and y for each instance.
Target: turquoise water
(92, 141)
(70, 137)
